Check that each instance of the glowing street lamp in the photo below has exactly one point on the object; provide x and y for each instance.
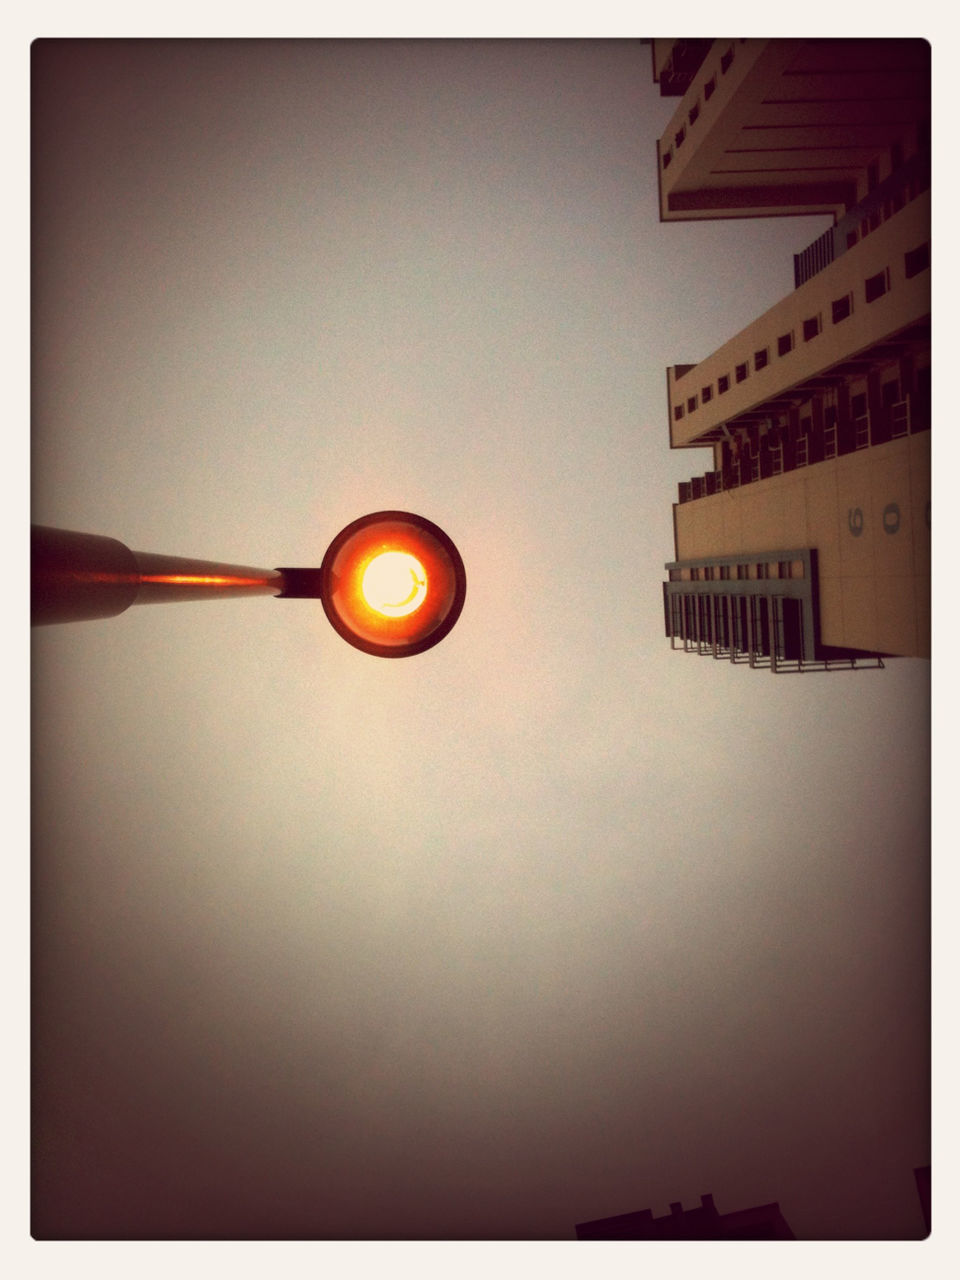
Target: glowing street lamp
(391, 583)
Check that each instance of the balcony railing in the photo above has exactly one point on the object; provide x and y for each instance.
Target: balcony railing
(813, 258)
(775, 457)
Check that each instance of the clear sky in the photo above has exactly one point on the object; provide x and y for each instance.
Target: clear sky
(550, 922)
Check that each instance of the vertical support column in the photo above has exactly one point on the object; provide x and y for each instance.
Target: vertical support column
(731, 639)
(750, 645)
(775, 630)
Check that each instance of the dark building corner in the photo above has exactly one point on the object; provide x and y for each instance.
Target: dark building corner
(762, 1222)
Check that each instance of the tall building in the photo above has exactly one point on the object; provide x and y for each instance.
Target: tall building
(763, 1222)
(806, 545)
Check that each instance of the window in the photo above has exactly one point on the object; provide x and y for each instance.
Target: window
(741, 372)
(694, 112)
(785, 344)
(694, 575)
(841, 307)
(708, 573)
(760, 359)
(691, 404)
(916, 260)
(706, 394)
(811, 327)
(677, 412)
(678, 138)
(708, 88)
(725, 572)
(726, 60)
(876, 286)
(784, 568)
(667, 157)
(741, 571)
(723, 383)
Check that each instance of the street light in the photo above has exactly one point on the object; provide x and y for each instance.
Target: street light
(391, 583)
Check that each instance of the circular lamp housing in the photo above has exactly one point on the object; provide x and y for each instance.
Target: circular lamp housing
(392, 584)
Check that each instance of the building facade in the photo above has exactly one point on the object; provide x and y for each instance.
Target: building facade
(762, 1222)
(806, 545)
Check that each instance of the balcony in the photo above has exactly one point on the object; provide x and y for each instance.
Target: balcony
(813, 336)
(786, 449)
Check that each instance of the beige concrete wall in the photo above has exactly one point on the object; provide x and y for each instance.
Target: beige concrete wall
(719, 117)
(905, 303)
(867, 514)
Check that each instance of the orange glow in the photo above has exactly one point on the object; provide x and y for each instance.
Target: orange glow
(199, 580)
(394, 583)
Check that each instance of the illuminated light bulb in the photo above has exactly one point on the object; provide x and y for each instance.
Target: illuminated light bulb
(394, 584)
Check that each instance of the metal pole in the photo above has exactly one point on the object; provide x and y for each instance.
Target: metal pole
(81, 576)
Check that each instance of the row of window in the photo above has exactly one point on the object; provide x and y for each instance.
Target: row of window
(841, 308)
(750, 571)
(708, 90)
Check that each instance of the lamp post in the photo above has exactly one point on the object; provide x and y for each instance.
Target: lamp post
(391, 583)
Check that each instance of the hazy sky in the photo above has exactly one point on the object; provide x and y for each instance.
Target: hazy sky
(550, 922)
